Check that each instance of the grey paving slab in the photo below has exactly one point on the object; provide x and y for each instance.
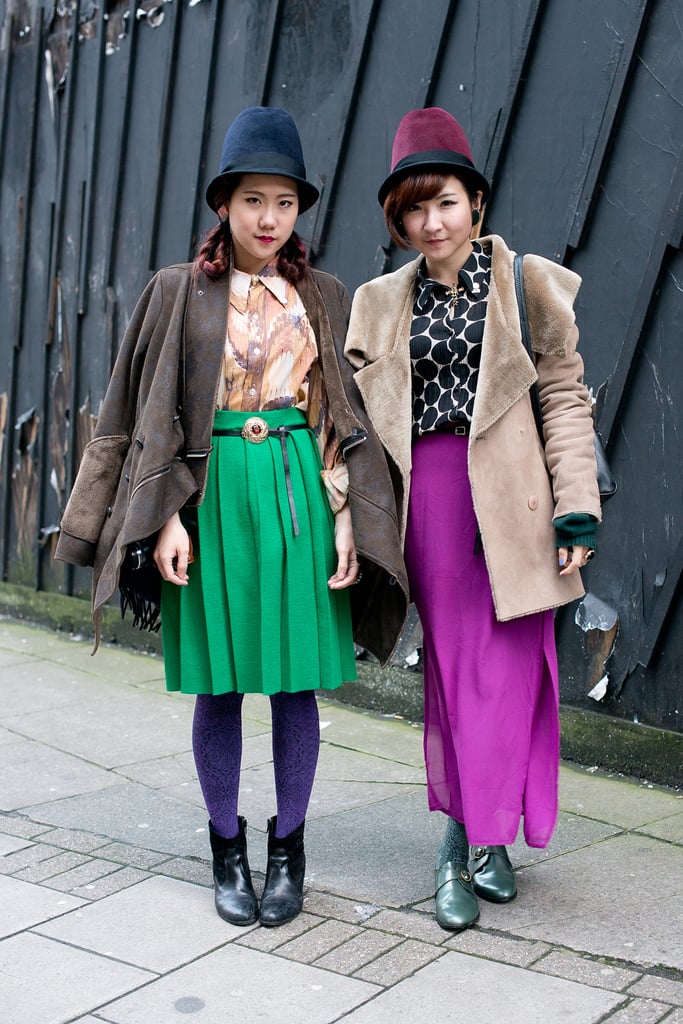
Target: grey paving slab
(13, 825)
(666, 989)
(161, 772)
(358, 952)
(72, 839)
(641, 1011)
(571, 833)
(400, 962)
(158, 924)
(318, 941)
(34, 772)
(132, 814)
(624, 802)
(620, 898)
(39, 685)
(408, 924)
(9, 844)
(339, 763)
(25, 904)
(670, 828)
(105, 885)
(110, 661)
(390, 738)
(587, 971)
(485, 991)
(257, 986)
(44, 982)
(385, 856)
(268, 939)
(508, 949)
(119, 728)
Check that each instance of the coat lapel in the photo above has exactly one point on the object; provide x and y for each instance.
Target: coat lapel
(506, 372)
(378, 342)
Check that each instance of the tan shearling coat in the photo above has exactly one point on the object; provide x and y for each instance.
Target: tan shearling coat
(509, 472)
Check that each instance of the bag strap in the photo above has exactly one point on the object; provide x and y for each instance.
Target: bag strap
(518, 272)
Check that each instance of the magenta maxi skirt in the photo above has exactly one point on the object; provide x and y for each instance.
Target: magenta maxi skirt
(491, 735)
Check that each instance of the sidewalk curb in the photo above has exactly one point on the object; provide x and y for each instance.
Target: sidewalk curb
(588, 737)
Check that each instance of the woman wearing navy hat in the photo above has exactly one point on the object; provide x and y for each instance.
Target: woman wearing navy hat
(229, 386)
(495, 526)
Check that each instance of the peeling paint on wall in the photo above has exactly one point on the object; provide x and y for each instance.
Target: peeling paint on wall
(4, 404)
(25, 483)
(116, 16)
(152, 11)
(600, 623)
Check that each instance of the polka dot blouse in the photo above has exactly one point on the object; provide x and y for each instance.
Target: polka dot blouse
(445, 344)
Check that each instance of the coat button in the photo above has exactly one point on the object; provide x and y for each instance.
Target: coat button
(533, 502)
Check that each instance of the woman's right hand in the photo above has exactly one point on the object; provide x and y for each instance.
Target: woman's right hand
(172, 552)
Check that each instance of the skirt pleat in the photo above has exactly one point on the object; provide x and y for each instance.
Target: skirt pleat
(257, 615)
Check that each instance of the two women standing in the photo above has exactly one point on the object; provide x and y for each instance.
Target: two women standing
(267, 464)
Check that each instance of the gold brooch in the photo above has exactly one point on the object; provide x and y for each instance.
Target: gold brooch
(255, 430)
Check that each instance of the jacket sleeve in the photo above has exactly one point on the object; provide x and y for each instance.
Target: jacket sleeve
(568, 431)
(99, 472)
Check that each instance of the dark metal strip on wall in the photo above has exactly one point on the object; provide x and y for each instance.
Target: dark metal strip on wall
(506, 115)
(625, 53)
(157, 192)
(668, 234)
(216, 27)
(16, 315)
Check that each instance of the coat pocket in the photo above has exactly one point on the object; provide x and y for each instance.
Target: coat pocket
(95, 486)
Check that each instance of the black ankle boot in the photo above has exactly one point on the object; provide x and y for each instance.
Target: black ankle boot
(283, 893)
(234, 894)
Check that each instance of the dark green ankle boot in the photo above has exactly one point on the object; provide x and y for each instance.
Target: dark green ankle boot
(456, 904)
(493, 876)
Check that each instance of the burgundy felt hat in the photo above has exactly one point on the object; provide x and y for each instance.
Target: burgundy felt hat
(431, 140)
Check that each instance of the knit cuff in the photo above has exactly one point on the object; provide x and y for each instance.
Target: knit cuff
(578, 529)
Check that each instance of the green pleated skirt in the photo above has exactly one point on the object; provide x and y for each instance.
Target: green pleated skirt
(257, 615)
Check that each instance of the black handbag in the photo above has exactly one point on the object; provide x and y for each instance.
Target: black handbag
(607, 484)
(140, 585)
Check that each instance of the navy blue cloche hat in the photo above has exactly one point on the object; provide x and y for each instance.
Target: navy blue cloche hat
(263, 140)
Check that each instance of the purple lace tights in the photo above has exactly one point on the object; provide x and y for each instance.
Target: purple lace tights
(217, 748)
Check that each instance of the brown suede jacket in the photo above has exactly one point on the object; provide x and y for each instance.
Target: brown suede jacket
(149, 456)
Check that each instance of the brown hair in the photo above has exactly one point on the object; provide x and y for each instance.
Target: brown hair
(214, 253)
(415, 188)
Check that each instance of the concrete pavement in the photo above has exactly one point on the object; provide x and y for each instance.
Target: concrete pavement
(106, 911)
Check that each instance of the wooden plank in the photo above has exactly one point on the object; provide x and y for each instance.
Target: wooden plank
(504, 121)
(625, 54)
(668, 234)
(665, 602)
(167, 113)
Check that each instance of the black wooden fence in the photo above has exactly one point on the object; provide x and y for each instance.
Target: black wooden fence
(112, 115)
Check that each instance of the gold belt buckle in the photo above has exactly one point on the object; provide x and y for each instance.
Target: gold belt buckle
(255, 430)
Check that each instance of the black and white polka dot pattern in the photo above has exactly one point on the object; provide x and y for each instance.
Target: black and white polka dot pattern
(445, 344)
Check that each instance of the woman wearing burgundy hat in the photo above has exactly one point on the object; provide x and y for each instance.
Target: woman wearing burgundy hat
(225, 434)
(495, 527)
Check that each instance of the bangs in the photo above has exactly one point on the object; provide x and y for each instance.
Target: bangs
(414, 189)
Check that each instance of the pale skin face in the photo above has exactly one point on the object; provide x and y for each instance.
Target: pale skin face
(261, 213)
(440, 229)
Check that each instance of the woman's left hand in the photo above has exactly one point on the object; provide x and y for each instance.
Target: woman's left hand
(573, 559)
(347, 560)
